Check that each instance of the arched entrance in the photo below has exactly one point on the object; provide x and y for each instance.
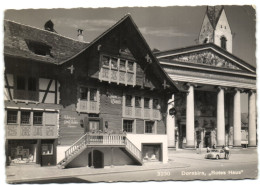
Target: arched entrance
(98, 159)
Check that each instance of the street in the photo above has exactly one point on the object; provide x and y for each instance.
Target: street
(241, 165)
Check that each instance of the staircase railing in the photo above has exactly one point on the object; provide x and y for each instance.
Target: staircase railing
(80, 143)
(100, 139)
(133, 149)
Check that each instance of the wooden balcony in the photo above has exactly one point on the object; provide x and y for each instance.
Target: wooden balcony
(15, 131)
(142, 113)
(88, 106)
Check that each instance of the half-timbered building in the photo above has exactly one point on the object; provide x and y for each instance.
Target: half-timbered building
(84, 104)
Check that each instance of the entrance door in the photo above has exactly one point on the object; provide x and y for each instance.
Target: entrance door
(208, 139)
(94, 125)
(98, 159)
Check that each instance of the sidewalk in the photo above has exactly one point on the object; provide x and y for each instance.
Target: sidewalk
(177, 159)
(28, 173)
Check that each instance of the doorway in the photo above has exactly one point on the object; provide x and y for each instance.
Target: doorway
(208, 139)
(98, 159)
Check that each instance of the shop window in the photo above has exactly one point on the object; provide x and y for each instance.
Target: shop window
(93, 95)
(128, 101)
(47, 149)
(137, 101)
(11, 116)
(155, 104)
(151, 152)
(147, 103)
(83, 93)
(149, 127)
(37, 118)
(21, 151)
(25, 117)
(128, 126)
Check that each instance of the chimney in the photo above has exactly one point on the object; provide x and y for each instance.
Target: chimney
(49, 26)
(80, 36)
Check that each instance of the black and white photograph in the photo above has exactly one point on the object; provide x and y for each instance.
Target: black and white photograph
(129, 94)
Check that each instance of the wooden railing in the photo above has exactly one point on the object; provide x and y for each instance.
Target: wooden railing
(133, 149)
(88, 106)
(143, 113)
(79, 144)
(106, 139)
(99, 139)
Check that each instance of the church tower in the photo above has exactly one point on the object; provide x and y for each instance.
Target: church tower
(215, 28)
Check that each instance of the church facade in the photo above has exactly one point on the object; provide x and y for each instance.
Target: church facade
(209, 113)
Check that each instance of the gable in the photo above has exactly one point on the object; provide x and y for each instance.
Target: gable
(207, 56)
(123, 41)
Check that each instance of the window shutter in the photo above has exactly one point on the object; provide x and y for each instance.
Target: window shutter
(86, 125)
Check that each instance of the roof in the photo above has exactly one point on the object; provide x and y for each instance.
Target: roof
(127, 20)
(204, 46)
(19, 41)
(214, 13)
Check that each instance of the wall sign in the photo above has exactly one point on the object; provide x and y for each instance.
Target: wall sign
(70, 121)
(115, 99)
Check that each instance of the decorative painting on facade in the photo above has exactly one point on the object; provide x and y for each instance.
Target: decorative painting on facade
(206, 58)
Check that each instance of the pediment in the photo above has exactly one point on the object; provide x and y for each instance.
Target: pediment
(208, 58)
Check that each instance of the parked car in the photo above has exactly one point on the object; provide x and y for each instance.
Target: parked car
(215, 154)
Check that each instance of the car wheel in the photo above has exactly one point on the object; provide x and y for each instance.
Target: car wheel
(217, 157)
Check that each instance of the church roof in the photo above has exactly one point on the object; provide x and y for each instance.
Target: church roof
(24, 41)
(214, 13)
(241, 64)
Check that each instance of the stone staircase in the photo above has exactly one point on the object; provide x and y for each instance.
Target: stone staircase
(99, 140)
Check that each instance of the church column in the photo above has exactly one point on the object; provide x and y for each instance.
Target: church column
(190, 118)
(237, 119)
(252, 119)
(220, 117)
(170, 124)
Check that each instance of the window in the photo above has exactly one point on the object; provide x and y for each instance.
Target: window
(155, 104)
(21, 83)
(93, 95)
(114, 63)
(147, 103)
(223, 41)
(105, 61)
(149, 127)
(130, 66)
(11, 116)
(128, 125)
(26, 88)
(118, 70)
(128, 101)
(122, 65)
(47, 149)
(25, 117)
(83, 93)
(137, 101)
(37, 118)
(32, 84)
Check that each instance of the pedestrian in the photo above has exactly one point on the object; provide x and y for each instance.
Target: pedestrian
(214, 146)
(226, 150)
(208, 149)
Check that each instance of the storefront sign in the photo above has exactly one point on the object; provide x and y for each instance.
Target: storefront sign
(70, 121)
(115, 99)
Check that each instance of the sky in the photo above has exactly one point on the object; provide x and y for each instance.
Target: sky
(163, 27)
